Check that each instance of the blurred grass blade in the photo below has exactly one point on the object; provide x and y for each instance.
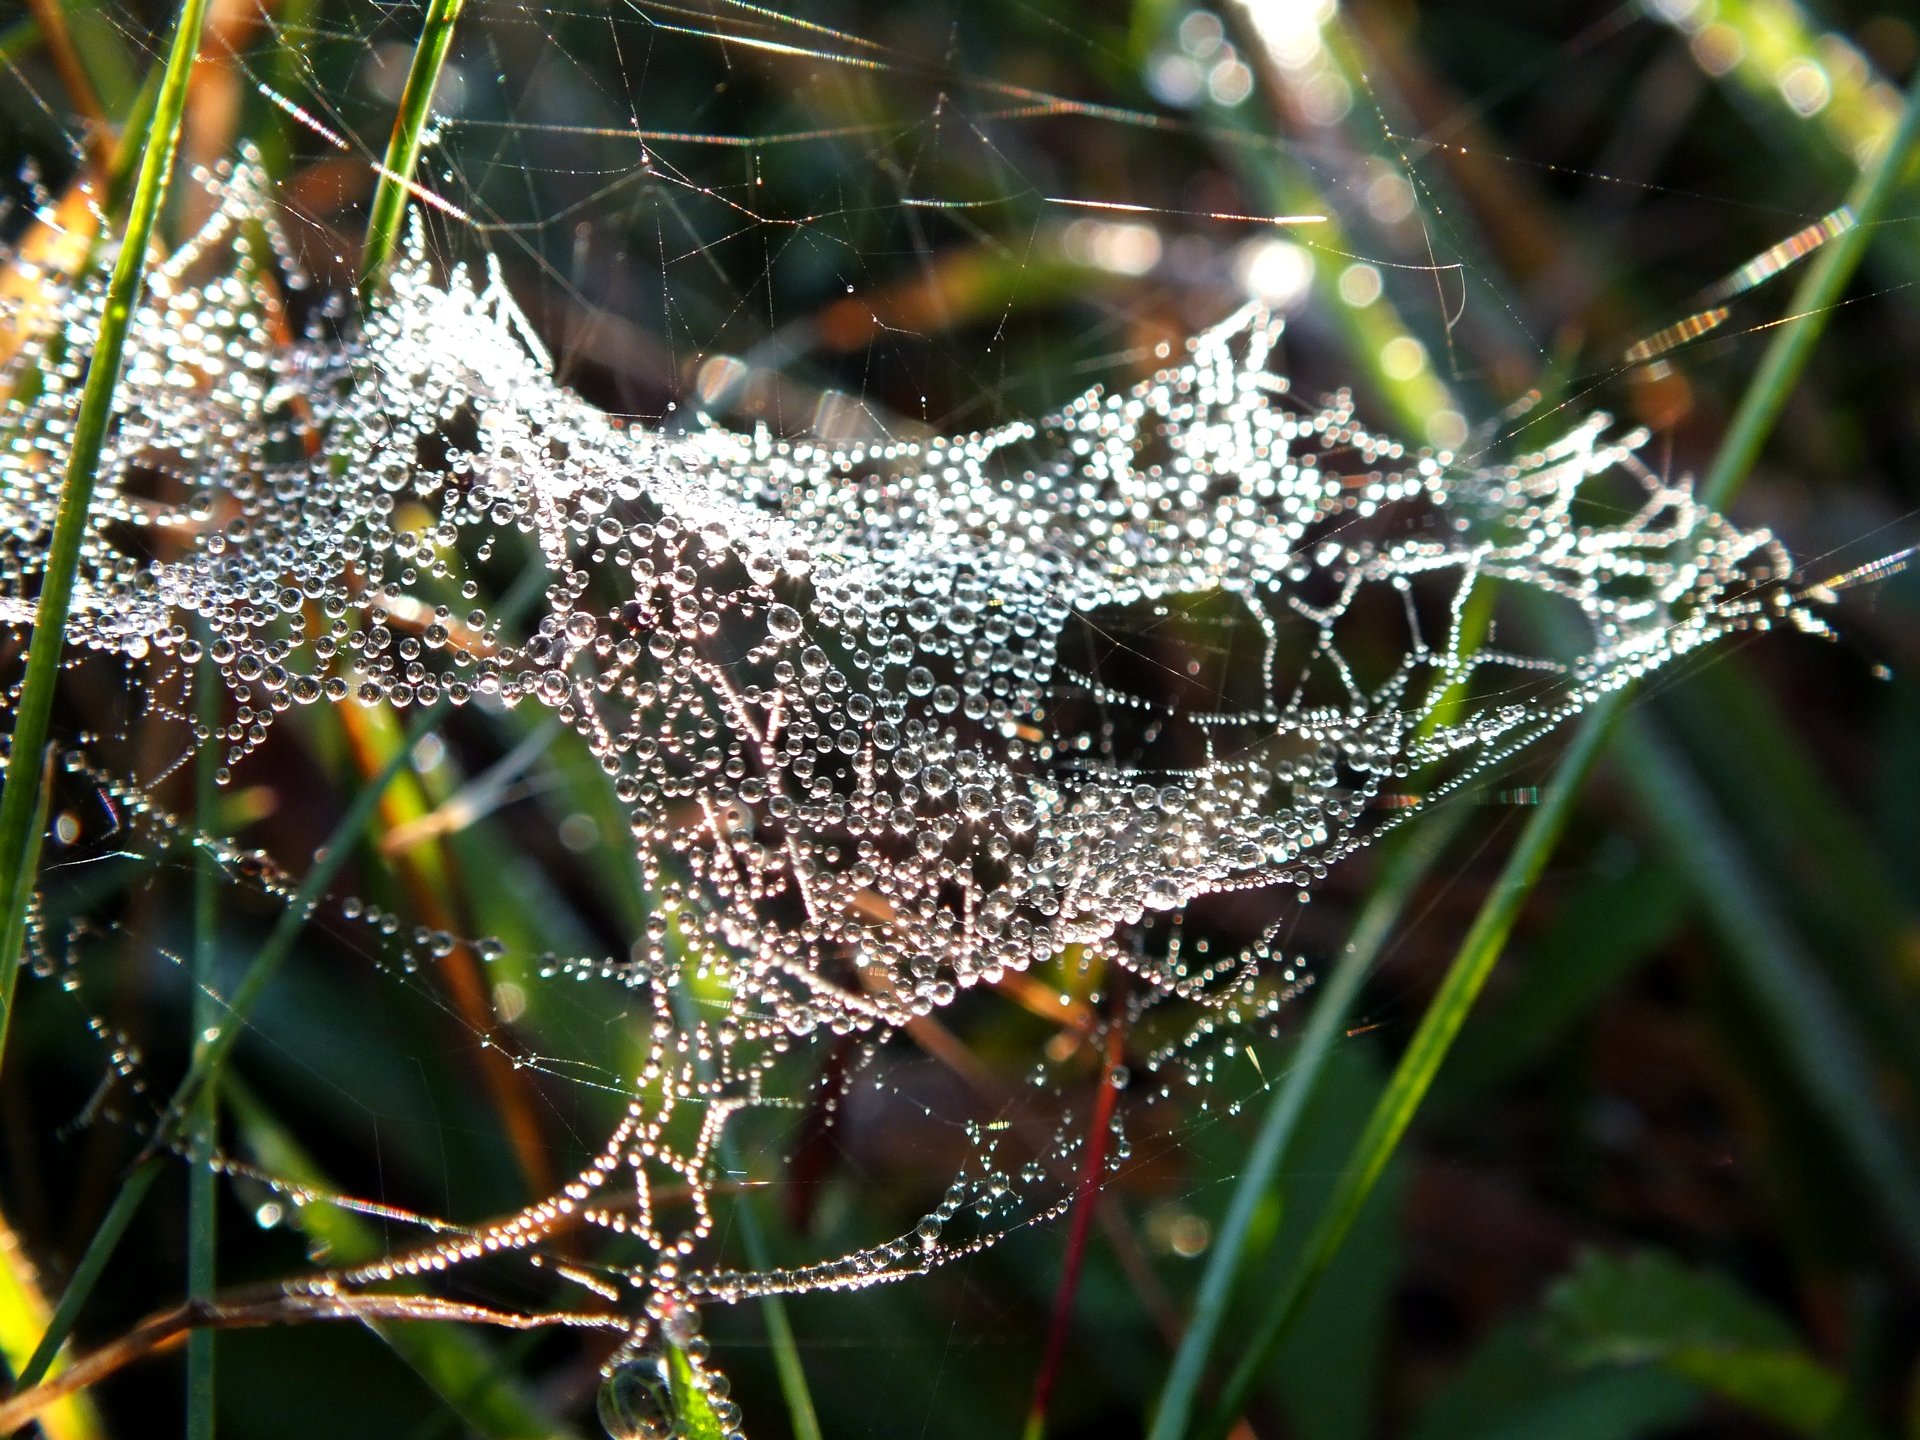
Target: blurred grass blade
(773, 1312)
(1330, 1007)
(23, 1319)
(1600, 935)
(341, 843)
(1769, 788)
(99, 1250)
(1806, 1021)
(1798, 811)
(786, 1360)
(389, 211)
(72, 71)
(19, 799)
(1649, 1309)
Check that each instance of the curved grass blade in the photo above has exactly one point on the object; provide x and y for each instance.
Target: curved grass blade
(20, 797)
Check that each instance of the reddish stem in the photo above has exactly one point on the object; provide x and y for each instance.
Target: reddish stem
(1085, 1201)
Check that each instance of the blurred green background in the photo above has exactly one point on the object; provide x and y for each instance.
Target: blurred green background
(1665, 1184)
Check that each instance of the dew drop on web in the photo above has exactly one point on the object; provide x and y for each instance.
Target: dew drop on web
(636, 1399)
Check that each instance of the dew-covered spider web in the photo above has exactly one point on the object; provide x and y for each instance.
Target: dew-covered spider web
(869, 700)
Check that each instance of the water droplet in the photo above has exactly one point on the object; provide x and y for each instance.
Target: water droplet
(783, 622)
(636, 1402)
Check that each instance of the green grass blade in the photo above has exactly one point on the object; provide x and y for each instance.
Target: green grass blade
(1813, 301)
(1330, 1009)
(488, 1398)
(773, 1312)
(20, 797)
(1602, 931)
(793, 1375)
(403, 145)
(1467, 975)
(694, 1415)
(203, 1114)
(99, 1250)
(15, 938)
(218, 1040)
(1412, 1077)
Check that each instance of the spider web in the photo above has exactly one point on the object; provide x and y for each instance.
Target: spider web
(897, 707)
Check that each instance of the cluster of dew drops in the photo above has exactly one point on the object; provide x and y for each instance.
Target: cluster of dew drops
(890, 721)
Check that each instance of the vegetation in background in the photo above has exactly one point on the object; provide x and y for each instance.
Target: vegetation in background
(1660, 1183)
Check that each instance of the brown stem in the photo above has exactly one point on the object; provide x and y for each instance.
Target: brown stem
(159, 1333)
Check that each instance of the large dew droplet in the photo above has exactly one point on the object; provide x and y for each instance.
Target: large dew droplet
(783, 622)
(1162, 894)
(636, 1403)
